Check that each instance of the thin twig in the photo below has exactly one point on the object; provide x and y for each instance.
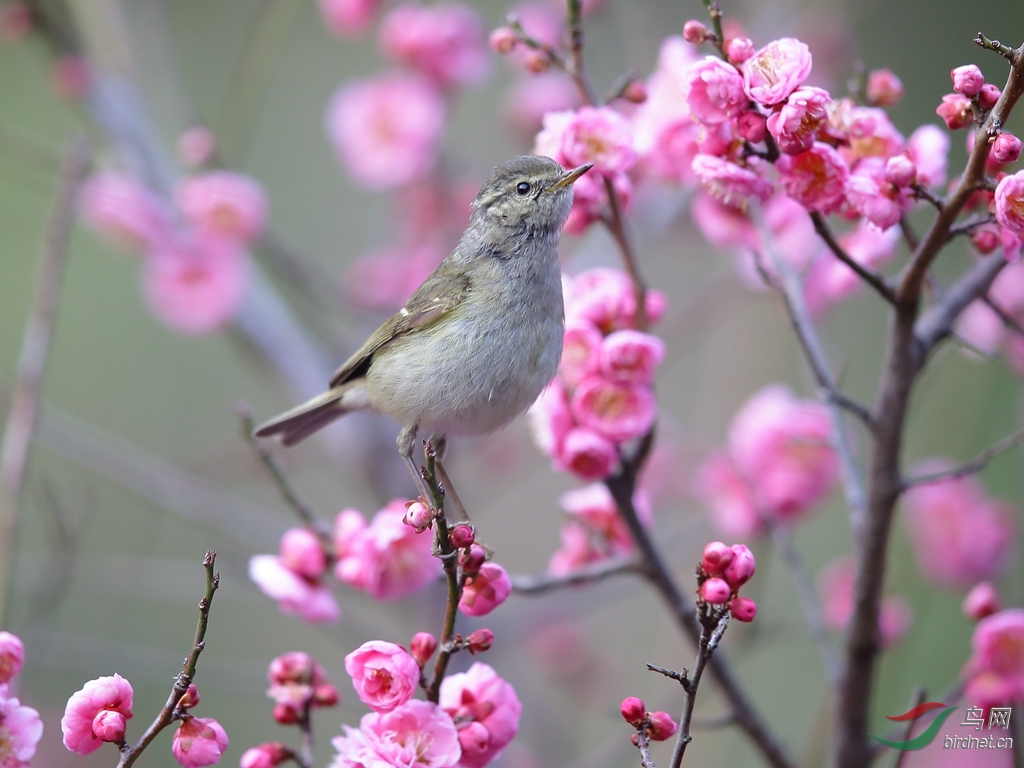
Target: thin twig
(575, 64)
(585, 574)
(35, 348)
(616, 225)
(870, 277)
(710, 636)
(968, 225)
(994, 45)
(168, 714)
(716, 24)
(1008, 320)
(976, 464)
(909, 235)
(643, 744)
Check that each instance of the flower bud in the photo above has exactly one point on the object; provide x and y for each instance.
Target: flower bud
(967, 79)
(470, 560)
(900, 171)
(752, 126)
(285, 715)
(422, 647)
(325, 695)
(503, 40)
(1006, 148)
(716, 556)
(269, 755)
(191, 697)
(109, 725)
(536, 62)
(981, 601)
(12, 656)
(743, 608)
(633, 711)
(418, 516)
(989, 95)
(302, 553)
(741, 567)
(739, 49)
(955, 109)
(635, 92)
(715, 591)
(986, 238)
(695, 32)
(884, 89)
(662, 726)
(480, 640)
(461, 535)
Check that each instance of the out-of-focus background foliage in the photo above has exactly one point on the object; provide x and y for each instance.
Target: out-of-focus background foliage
(139, 454)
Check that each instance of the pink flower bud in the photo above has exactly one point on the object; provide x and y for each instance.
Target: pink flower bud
(200, 741)
(739, 49)
(295, 667)
(418, 516)
(285, 714)
(536, 62)
(741, 568)
(472, 560)
(967, 79)
(884, 89)
(480, 640)
(955, 109)
(900, 171)
(716, 557)
(109, 725)
(752, 126)
(422, 647)
(462, 535)
(85, 710)
(986, 238)
(325, 695)
(12, 656)
(635, 92)
(302, 553)
(989, 95)
(1006, 148)
(981, 601)
(503, 40)
(695, 32)
(269, 755)
(743, 608)
(485, 591)
(662, 726)
(715, 591)
(633, 711)
(191, 697)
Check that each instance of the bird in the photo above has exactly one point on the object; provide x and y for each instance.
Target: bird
(479, 340)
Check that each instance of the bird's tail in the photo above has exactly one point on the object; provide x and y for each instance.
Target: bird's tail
(303, 420)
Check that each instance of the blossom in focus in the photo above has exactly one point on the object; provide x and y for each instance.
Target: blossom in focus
(444, 42)
(955, 110)
(1009, 203)
(586, 454)
(619, 411)
(714, 91)
(959, 535)
(120, 207)
(385, 676)
(348, 18)
(996, 665)
(485, 590)
(967, 79)
(419, 734)
(386, 129)
(836, 587)
(597, 135)
(630, 356)
(604, 296)
(385, 558)
(775, 71)
(200, 741)
(12, 656)
(486, 712)
(874, 198)
(21, 728)
(728, 182)
(99, 696)
(816, 178)
(795, 124)
(226, 203)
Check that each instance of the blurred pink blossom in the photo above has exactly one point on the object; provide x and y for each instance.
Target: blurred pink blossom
(714, 91)
(385, 676)
(581, 349)
(112, 694)
(196, 146)
(776, 70)
(795, 124)
(959, 535)
(597, 135)
(298, 682)
(12, 656)
(386, 558)
(486, 711)
(266, 755)
(195, 284)
(70, 76)
(444, 42)
(604, 296)
(619, 411)
(302, 553)
(631, 356)
(816, 178)
(586, 454)
(21, 728)
(980, 326)
(348, 18)
(728, 182)
(579, 547)
(419, 734)
(884, 88)
(1009, 203)
(120, 207)
(594, 507)
(996, 665)
(983, 600)
(485, 590)
(549, 418)
(200, 741)
(308, 598)
(719, 484)
(386, 278)
(869, 133)
(836, 586)
(928, 147)
(530, 98)
(226, 203)
(874, 198)
(386, 129)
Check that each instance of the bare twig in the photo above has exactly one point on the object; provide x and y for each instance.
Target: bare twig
(575, 64)
(35, 348)
(612, 566)
(976, 464)
(994, 45)
(1008, 320)
(616, 225)
(968, 225)
(870, 277)
(710, 635)
(937, 323)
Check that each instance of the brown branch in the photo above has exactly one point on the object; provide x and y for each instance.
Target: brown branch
(586, 574)
(937, 322)
(870, 277)
(1008, 320)
(35, 349)
(710, 636)
(968, 225)
(574, 64)
(616, 225)
(976, 464)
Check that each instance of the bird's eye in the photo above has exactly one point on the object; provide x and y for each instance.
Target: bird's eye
(523, 188)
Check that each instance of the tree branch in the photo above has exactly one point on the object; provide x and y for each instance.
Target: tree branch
(870, 277)
(976, 464)
(602, 569)
(937, 322)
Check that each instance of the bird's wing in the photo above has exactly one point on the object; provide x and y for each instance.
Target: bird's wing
(440, 293)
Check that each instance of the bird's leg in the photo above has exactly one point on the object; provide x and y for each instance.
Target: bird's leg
(406, 444)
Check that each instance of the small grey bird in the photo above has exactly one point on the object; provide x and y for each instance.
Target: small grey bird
(479, 340)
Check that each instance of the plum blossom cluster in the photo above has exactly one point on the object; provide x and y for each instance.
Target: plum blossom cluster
(656, 726)
(100, 711)
(385, 558)
(195, 262)
(21, 728)
(778, 464)
(602, 395)
(721, 573)
(836, 585)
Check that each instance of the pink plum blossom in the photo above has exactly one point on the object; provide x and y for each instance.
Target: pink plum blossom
(959, 535)
(590, 198)
(266, 755)
(714, 91)
(597, 135)
(980, 326)
(444, 42)
(989, 95)
(549, 418)
(776, 70)
(594, 507)
(631, 356)
(386, 558)
(728, 182)
(816, 178)
(196, 146)
(104, 694)
(715, 591)
(200, 741)
(586, 454)
(795, 124)
(873, 197)
(604, 297)
(1009, 203)
(967, 79)
(12, 656)
(302, 553)
(581, 348)
(740, 568)
(928, 147)
(297, 683)
(1006, 148)
(996, 666)
(619, 411)
(743, 609)
(884, 88)
(485, 590)
(21, 728)
(419, 734)
(386, 129)
(226, 203)
(983, 600)
(578, 548)
(309, 599)
(836, 586)
(740, 49)
(385, 676)
(195, 285)
(348, 18)
(120, 207)
(728, 495)
(955, 110)
(486, 712)
(869, 133)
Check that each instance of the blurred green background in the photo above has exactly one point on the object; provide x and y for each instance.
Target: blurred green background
(139, 461)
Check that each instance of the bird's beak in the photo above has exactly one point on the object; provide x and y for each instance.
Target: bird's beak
(571, 176)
